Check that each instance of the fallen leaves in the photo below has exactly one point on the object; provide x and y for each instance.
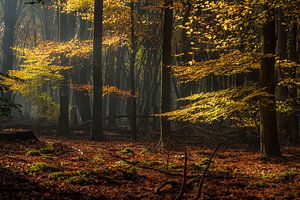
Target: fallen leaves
(93, 173)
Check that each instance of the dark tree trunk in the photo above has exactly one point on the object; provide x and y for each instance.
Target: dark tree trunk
(64, 96)
(132, 74)
(96, 131)
(10, 18)
(268, 127)
(82, 99)
(46, 21)
(282, 91)
(166, 71)
(294, 56)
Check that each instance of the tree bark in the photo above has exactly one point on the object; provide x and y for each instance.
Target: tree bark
(282, 91)
(268, 127)
(10, 18)
(166, 71)
(294, 56)
(132, 74)
(97, 127)
(64, 96)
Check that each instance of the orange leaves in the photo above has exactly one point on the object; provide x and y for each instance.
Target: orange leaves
(115, 91)
(107, 89)
(79, 87)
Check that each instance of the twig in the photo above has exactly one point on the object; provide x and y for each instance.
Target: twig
(180, 196)
(200, 185)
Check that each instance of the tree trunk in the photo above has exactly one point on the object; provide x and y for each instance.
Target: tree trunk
(185, 88)
(132, 74)
(64, 96)
(282, 91)
(10, 18)
(81, 76)
(166, 71)
(268, 127)
(96, 131)
(294, 56)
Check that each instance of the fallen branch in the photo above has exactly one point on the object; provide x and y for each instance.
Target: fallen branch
(183, 185)
(200, 185)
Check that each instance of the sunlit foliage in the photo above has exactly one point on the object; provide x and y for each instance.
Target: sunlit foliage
(116, 14)
(224, 39)
(239, 106)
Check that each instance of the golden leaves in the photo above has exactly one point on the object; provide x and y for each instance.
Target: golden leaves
(228, 64)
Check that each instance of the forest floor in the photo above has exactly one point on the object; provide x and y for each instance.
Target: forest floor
(82, 169)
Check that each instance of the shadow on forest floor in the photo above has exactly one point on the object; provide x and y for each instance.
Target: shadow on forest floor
(14, 185)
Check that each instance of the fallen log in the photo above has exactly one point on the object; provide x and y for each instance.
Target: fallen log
(17, 135)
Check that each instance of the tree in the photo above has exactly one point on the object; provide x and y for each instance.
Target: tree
(10, 18)
(64, 96)
(166, 71)
(96, 131)
(268, 127)
(132, 72)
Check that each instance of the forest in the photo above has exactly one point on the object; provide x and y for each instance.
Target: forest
(150, 99)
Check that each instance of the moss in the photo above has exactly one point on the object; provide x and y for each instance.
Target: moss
(127, 150)
(33, 152)
(260, 184)
(201, 165)
(79, 180)
(288, 175)
(57, 176)
(42, 167)
(121, 170)
(48, 157)
(149, 163)
(130, 174)
(179, 170)
(48, 149)
(257, 184)
(120, 166)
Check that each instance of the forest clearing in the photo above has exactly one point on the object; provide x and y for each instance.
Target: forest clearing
(149, 99)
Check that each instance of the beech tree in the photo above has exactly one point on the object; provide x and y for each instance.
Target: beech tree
(10, 19)
(64, 95)
(268, 123)
(166, 71)
(96, 131)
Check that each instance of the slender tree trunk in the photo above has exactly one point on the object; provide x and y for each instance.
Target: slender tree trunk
(282, 91)
(96, 131)
(166, 71)
(34, 31)
(46, 16)
(132, 74)
(294, 56)
(81, 76)
(268, 127)
(185, 88)
(64, 96)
